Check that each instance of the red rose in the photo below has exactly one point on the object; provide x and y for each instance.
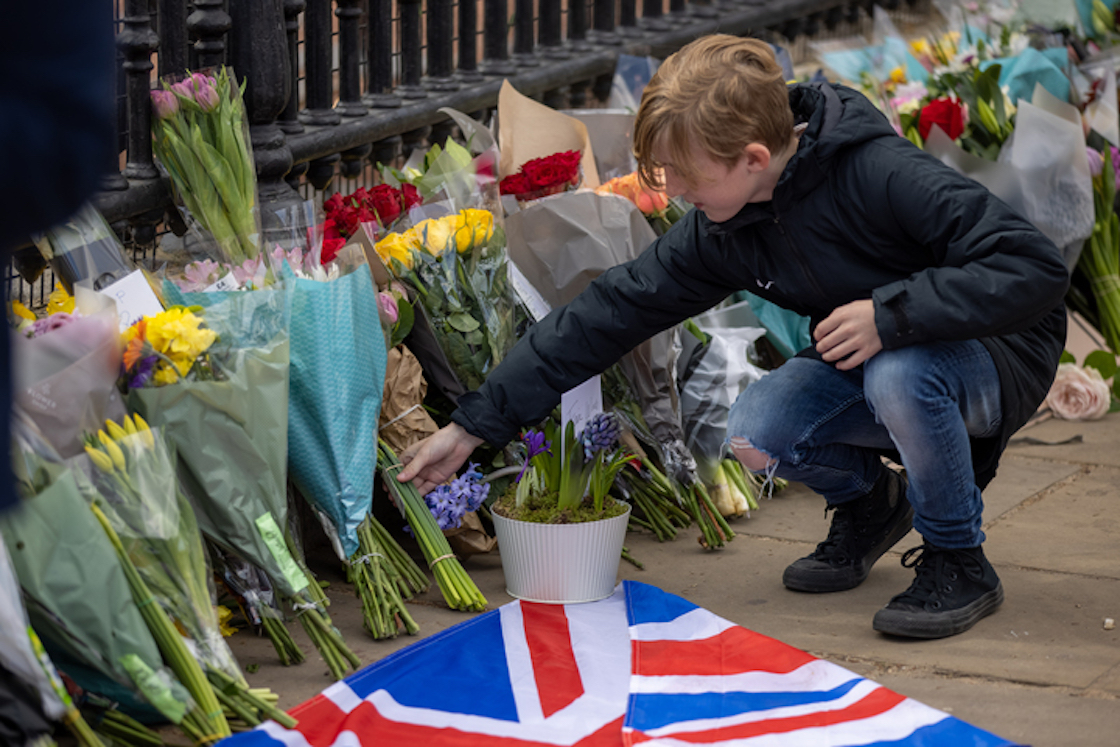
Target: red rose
(410, 196)
(386, 202)
(515, 184)
(332, 204)
(946, 114)
(549, 171)
(330, 250)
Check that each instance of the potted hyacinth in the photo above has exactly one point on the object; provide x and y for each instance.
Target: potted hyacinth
(559, 531)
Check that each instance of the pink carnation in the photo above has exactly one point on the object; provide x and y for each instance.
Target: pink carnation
(1078, 393)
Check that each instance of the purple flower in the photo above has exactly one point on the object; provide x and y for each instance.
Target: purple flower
(449, 503)
(49, 324)
(164, 104)
(144, 369)
(207, 97)
(535, 442)
(1096, 162)
(600, 434)
(183, 89)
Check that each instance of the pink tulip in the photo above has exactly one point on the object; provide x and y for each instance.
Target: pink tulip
(164, 104)
(183, 89)
(207, 97)
(388, 307)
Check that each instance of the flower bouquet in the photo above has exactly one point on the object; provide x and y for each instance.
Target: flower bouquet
(457, 266)
(1100, 257)
(65, 369)
(541, 177)
(216, 381)
(661, 211)
(199, 136)
(78, 598)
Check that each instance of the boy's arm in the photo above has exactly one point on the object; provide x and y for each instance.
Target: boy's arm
(994, 272)
(672, 280)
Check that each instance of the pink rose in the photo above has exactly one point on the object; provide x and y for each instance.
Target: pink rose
(387, 306)
(1078, 393)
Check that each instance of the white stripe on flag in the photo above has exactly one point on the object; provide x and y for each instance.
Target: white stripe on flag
(853, 696)
(816, 675)
(694, 625)
(892, 725)
(342, 696)
(601, 644)
(520, 664)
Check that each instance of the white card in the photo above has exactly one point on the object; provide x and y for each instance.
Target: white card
(134, 297)
(580, 404)
(226, 283)
(533, 300)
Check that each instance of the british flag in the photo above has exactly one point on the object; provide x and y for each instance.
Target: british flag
(641, 667)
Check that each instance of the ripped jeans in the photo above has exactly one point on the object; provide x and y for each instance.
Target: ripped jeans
(827, 428)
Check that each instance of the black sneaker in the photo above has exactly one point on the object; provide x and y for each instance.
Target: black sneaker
(954, 590)
(862, 530)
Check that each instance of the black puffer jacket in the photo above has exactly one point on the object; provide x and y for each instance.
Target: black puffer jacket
(858, 213)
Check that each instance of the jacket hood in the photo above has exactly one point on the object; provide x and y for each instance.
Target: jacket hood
(836, 118)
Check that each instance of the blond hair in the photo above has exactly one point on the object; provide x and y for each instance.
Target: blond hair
(722, 92)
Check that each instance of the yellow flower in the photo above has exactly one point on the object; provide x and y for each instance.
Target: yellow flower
(898, 75)
(480, 225)
(437, 233)
(920, 48)
(397, 246)
(22, 311)
(115, 431)
(224, 615)
(59, 300)
(112, 450)
(177, 333)
(129, 426)
(144, 431)
(100, 459)
(165, 374)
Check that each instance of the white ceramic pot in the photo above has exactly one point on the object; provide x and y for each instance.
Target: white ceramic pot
(561, 563)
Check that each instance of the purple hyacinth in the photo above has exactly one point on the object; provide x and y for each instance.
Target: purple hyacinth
(449, 503)
(536, 444)
(144, 369)
(599, 434)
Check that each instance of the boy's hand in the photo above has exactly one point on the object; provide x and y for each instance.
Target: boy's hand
(848, 335)
(436, 459)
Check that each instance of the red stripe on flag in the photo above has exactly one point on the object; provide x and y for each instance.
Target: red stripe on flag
(374, 730)
(733, 651)
(554, 661)
(878, 702)
(319, 719)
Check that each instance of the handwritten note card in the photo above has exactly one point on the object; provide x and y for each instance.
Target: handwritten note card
(581, 404)
(134, 298)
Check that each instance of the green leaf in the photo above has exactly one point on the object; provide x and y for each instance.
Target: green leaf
(463, 322)
(1067, 357)
(1103, 361)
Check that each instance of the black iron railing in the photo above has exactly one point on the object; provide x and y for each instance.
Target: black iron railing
(335, 86)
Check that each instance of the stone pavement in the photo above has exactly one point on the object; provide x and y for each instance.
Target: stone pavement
(1043, 670)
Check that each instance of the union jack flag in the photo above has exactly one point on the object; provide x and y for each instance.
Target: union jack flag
(642, 667)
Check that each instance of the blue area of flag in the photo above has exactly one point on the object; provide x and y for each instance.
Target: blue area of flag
(648, 604)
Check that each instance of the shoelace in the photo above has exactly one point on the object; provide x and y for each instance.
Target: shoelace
(936, 569)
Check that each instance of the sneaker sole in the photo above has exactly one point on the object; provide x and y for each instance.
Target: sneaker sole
(906, 624)
(827, 579)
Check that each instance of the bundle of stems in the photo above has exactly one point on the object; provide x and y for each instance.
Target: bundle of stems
(122, 729)
(459, 591)
(80, 729)
(204, 723)
(250, 706)
(652, 494)
(371, 571)
(402, 569)
(733, 470)
(313, 617)
(714, 530)
(281, 639)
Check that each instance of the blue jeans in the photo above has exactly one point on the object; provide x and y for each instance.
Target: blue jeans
(827, 428)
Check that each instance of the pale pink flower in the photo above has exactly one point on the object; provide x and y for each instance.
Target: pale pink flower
(387, 305)
(201, 275)
(164, 104)
(1078, 393)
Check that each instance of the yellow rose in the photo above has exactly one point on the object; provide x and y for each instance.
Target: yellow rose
(480, 226)
(436, 234)
(397, 246)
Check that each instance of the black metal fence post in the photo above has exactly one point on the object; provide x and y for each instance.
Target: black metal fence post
(412, 52)
(379, 56)
(551, 40)
(350, 103)
(495, 39)
(603, 18)
(259, 51)
(172, 23)
(441, 46)
(137, 42)
(468, 42)
(318, 78)
(209, 24)
(524, 44)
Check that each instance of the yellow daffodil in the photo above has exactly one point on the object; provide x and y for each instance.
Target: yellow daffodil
(144, 430)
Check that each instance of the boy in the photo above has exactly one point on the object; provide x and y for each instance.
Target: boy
(937, 319)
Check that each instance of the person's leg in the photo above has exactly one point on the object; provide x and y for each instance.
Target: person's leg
(932, 398)
(808, 422)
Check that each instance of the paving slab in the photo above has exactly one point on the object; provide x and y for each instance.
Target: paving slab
(1097, 443)
(1074, 528)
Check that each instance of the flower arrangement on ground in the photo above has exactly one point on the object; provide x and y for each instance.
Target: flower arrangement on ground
(540, 177)
(199, 137)
(457, 265)
(661, 211)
